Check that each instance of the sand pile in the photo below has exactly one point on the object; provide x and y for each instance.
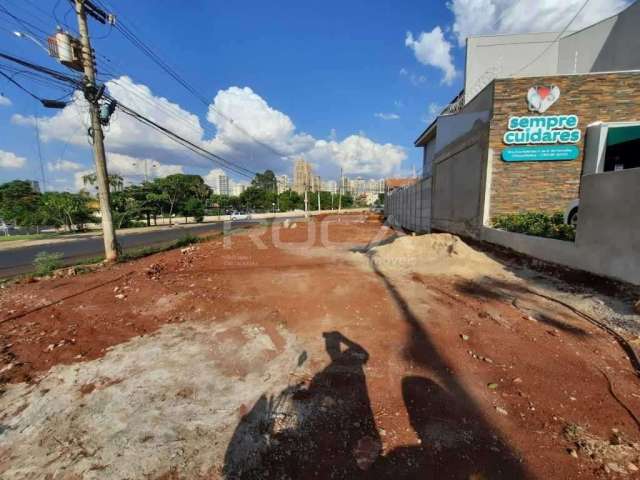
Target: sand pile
(437, 253)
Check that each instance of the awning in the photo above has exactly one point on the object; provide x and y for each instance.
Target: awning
(618, 135)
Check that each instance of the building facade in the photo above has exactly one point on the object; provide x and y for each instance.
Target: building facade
(302, 176)
(283, 183)
(330, 186)
(520, 139)
(221, 185)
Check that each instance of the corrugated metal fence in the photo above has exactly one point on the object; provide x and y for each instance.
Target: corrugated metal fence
(410, 207)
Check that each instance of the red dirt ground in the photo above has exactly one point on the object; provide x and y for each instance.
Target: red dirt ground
(452, 378)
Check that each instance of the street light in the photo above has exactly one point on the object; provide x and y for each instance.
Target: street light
(34, 40)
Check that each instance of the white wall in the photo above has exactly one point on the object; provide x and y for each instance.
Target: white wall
(608, 237)
(500, 56)
(610, 45)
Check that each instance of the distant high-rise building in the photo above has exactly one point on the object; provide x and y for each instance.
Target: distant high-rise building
(221, 185)
(283, 183)
(359, 186)
(346, 186)
(302, 176)
(316, 184)
(238, 188)
(330, 186)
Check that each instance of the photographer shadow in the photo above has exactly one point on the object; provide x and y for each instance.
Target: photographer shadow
(323, 430)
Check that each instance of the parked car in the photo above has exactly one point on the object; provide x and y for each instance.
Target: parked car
(240, 216)
(571, 213)
(377, 208)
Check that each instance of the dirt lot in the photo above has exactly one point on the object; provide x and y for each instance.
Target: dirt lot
(324, 350)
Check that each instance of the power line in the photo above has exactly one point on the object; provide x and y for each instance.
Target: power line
(221, 161)
(149, 52)
(28, 26)
(557, 39)
(20, 86)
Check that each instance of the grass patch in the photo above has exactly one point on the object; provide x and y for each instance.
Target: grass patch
(536, 224)
(182, 242)
(45, 263)
(31, 236)
(187, 240)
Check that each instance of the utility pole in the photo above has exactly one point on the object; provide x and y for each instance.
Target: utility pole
(340, 194)
(318, 201)
(306, 201)
(91, 94)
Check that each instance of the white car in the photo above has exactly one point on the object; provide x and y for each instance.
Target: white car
(240, 216)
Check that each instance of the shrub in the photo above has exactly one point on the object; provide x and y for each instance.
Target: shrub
(537, 224)
(187, 240)
(45, 263)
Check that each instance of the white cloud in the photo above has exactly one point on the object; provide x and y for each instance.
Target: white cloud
(63, 166)
(433, 49)
(412, 77)
(124, 134)
(211, 178)
(387, 116)
(4, 101)
(433, 110)
(248, 127)
(358, 154)
(128, 166)
(131, 169)
(11, 160)
(474, 17)
(248, 131)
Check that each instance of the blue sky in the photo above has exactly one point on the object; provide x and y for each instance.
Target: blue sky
(339, 83)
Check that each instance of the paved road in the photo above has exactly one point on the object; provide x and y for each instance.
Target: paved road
(16, 261)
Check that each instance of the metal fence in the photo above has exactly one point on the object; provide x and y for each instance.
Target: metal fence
(410, 207)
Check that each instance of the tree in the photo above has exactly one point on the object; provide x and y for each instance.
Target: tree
(20, 203)
(129, 205)
(193, 208)
(266, 180)
(290, 200)
(116, 182)
(347, 201)
(67, 209)
(174, 187)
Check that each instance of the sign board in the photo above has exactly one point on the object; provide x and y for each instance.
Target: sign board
(540, 154)
(549, 130)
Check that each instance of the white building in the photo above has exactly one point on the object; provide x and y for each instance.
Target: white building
(221, 185)
(283, 183)
(330, 186)
(238, 188)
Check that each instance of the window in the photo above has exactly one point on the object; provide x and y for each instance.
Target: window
(623, 148)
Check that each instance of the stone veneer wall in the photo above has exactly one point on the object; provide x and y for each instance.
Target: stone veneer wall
(550, 186)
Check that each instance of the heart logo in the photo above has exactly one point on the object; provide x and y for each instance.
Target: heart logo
(541, 98)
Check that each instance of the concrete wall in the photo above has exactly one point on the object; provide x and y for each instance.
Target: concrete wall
(499, 56)
(410, 207)
(608, 237)
(609, 222)
(459, 183)
(610, 45)
(428, 152)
